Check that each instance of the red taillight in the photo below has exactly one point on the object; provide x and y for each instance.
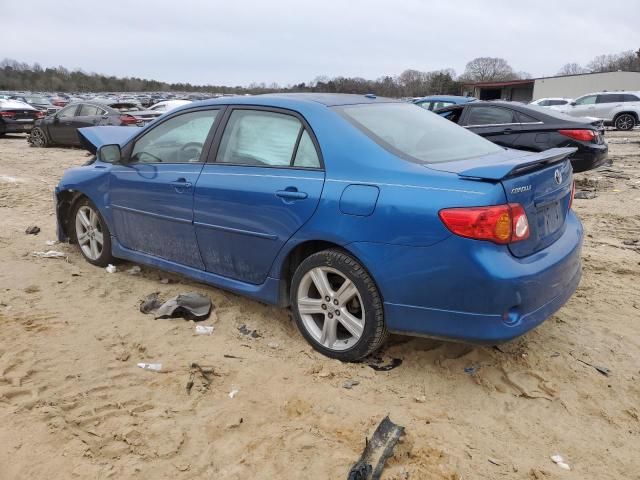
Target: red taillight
(583, 135)
(497, 223)
(40, 114)
(128, 119)
(573, 193)
(7, 114)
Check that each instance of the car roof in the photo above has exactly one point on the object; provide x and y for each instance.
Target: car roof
(446, 98)
(290, 99)
(613, 92)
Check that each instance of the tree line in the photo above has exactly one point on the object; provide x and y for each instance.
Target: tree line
(16, 75)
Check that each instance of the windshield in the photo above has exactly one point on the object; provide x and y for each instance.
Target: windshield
(415, 134)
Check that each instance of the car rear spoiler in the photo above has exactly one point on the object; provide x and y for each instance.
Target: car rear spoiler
(92, 138)
(512, 162)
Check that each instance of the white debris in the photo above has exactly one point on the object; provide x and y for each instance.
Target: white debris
(49, 254)
(51, 242)
(8, 179)
(135, 270)
(274, 345)
(233, 393)
(164, 281)
(156, 367)
(111, 268)
(204, 330)
(558, 460)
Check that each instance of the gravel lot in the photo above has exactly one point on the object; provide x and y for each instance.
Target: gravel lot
(73, 403)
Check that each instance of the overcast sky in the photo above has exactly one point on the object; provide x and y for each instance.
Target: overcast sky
(236, 42)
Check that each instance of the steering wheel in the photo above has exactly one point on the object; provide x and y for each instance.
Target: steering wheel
(190, 152)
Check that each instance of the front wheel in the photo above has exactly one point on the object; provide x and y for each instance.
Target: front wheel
(625, 121)
(92, 234)
(337, 306)
(38, 138)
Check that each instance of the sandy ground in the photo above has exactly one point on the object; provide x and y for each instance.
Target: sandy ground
(73, 403)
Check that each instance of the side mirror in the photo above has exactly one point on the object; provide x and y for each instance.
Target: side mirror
(110, 153)
(56, 119)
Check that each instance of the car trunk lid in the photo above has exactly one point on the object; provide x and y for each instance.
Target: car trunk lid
(540, 182)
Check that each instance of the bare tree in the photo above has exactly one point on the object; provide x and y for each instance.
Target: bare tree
(486, 69)
(571, 69)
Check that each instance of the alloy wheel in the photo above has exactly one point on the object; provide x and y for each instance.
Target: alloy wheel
(89, 232)
(37, 138)
(331, 308)
(625, 122)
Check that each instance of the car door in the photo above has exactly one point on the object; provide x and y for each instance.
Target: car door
(61, 129)
(605, 105)
(87, 116)
(583, 106)
(151, 195)
(263, 183)
(496, 123)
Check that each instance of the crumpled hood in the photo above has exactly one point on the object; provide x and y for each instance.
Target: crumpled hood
(92, 138)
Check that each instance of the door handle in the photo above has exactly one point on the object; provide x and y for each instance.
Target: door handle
(180, 185)
(291, 193)
(507, 131)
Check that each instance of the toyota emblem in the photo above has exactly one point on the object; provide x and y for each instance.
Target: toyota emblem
(558, 176)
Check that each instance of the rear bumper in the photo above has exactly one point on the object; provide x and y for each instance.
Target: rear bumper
(589, 157)
(472, 291)
(15, 127)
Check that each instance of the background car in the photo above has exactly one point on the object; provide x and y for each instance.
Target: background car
(620, 109)
(168, 105)
(61, 128)
(532, 128)
(555, 103)
(17, 116)
(366, 215)
(39, 102)
(434, 102)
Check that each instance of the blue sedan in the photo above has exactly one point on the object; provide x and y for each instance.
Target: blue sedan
(364, 215)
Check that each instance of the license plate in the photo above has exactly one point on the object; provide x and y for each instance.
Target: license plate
(552, 215)
(27, 127)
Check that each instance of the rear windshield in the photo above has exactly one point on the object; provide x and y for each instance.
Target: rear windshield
(415, 134)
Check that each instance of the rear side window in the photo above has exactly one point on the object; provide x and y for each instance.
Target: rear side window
(254, 137)
(490, 116)
(425, 105)
(629, 98)
(437, 105)
(67, 111)
(414, 134)
(523, 118)
(556, 102)
(609, 98)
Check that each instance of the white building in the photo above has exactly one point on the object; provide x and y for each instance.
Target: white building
(571, 86)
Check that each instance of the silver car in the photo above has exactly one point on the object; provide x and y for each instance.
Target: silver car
(620, 109)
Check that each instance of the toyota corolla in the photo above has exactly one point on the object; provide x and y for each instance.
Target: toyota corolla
(364, 215)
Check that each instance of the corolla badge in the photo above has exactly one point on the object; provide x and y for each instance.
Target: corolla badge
(558, 176)
(524, 188)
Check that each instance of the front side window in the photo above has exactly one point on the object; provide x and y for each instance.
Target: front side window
(490, 116)
(440, 104)
(425, 105)
(67, 111)
(415, 134)
(254, 137)
(177, 140)
(89, 111)
(588, 100)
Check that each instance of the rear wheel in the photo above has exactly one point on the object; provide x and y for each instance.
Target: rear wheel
(38, 138)
(337, 306)
(625, 121)
(92, 234)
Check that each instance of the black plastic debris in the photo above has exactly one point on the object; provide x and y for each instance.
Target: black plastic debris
(379, 365)
(376, 451)
(243, 329)
(598, 368)
(32, 230)
(190, 306)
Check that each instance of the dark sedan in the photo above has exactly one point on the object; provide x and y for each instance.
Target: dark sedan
(17, 116)
(61, 128)
(533, 129)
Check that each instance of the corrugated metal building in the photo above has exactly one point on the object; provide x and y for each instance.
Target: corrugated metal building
(571, 86)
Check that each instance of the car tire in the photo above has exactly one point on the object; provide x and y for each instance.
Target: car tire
(91, 233)
(38, 138)
(337, 306)
(624, 121)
